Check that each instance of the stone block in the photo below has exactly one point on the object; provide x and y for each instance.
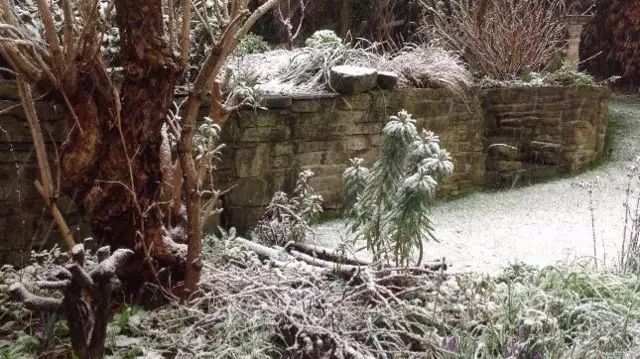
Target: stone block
(545, 152)
(265, 134)
(282, 161)
(243, 218)
(305, 106)
(258, 119)
(351, 80)
(503, 151)
(320, 146)
(356, 102)
(276, 101)
(282, 149)
(253, 162)
(375, 140)
(250, 192)
(369, 128)
(327, 170)
(504, 166)
(357, 143)
(386, 80)
(392, 100)
(310, 159)
(327, 183)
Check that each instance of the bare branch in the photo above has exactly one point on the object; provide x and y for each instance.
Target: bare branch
(36, 133)
(58, 284)
(77, 253)
(184, 36)
(57, 215)
(255, 16)
(81, 277)
(32, 301)
(68, 46)
(52, 37)
(171, 25)
(110, 266)
(103, 253)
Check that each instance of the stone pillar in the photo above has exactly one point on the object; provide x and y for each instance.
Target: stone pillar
(575, 23)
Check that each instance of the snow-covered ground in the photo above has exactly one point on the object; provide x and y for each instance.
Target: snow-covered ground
(541, 224)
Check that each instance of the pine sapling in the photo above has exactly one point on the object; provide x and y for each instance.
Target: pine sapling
(388, 206)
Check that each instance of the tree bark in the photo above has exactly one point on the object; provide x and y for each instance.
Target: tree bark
(113, 158)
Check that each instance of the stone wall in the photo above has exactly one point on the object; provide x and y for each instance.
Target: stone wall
(494, 136)
(267, 150)
(539, 132)
(24, 220)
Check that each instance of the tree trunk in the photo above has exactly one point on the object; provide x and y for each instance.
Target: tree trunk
(345, 18)
(114, 160)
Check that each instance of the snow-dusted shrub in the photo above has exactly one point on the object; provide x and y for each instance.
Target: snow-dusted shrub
(428, 67)
(252, 44)
(324, 38)
(310, 66)
(389, 204)
(26, 12)
(287, 219)
(498, 38)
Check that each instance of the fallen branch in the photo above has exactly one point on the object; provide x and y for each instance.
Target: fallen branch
(329, 254)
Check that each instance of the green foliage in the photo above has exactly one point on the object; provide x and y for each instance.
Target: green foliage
(207, 135)
(132, 353)
(324, 38)
(527, 76)
(557, 312)
(25, 346)
(567, 75)
(287, 219)
(389, 204)
(355, 180)
(127, 321)
(252, 44)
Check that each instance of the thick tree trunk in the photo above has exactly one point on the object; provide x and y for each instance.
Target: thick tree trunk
(114, 159)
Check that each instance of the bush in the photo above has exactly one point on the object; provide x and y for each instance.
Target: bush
(310, 67)
(499, 38)
(287, 219)
(428, 67)
(252, 44)
(557, 312)
(389, 204)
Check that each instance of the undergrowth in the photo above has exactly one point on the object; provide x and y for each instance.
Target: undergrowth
(248, 308)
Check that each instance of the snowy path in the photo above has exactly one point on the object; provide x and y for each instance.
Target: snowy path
(540, 224)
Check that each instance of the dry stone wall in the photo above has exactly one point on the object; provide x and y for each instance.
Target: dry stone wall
(24, 221)
(494, 135)
(536, 133)
(267, 149)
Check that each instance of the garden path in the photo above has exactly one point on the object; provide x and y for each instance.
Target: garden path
(542, 224)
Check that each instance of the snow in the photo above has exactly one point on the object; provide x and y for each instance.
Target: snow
(541, 224)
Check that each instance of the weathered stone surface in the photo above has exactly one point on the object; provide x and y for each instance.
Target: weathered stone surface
(386, 80)
(304, 106)
(253, 162)
(503, 151)
(273, 102)
(550, 130)
(555, 128)
(351, 80)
